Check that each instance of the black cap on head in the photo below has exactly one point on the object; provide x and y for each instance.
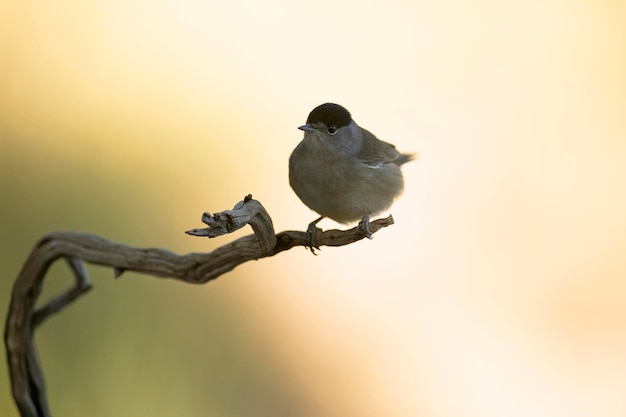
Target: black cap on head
(330, 114)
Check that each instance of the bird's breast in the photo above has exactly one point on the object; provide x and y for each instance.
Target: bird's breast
(340, 187)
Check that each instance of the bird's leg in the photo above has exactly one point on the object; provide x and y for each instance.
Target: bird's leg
(364, 226)
(311, 232)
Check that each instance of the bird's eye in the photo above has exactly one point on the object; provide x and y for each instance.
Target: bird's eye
(331, 130)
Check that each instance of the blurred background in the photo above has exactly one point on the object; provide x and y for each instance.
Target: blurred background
(498, 292)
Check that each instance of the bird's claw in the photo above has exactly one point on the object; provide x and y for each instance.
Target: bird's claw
(311, 236)
(364, 226)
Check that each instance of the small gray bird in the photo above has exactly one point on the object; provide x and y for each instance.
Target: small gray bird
(343, 171)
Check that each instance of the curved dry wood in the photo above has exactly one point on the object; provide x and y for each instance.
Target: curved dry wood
(27, 379)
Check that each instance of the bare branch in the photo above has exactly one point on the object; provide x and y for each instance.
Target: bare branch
(27, 379)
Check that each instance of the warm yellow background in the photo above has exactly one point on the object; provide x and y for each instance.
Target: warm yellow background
(500, 291)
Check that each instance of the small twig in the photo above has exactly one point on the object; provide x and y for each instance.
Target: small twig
(245, 212)
(81, 286)
(27, 381)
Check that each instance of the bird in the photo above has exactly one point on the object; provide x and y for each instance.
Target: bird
(342, 171)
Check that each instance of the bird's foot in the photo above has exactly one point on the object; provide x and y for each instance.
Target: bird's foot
(364, 226)
(311, 235)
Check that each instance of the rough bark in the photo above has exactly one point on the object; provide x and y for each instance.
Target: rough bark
(27, 380)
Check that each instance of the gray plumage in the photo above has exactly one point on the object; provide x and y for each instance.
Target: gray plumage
(343, 171)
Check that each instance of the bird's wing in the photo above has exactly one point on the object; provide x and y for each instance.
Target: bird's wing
(375, 152)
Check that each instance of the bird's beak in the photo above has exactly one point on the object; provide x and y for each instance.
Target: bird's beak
(307, 128)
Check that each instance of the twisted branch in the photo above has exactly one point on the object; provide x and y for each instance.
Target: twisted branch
(27, 379)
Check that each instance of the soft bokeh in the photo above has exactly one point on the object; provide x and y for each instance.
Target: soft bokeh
(500, 290)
